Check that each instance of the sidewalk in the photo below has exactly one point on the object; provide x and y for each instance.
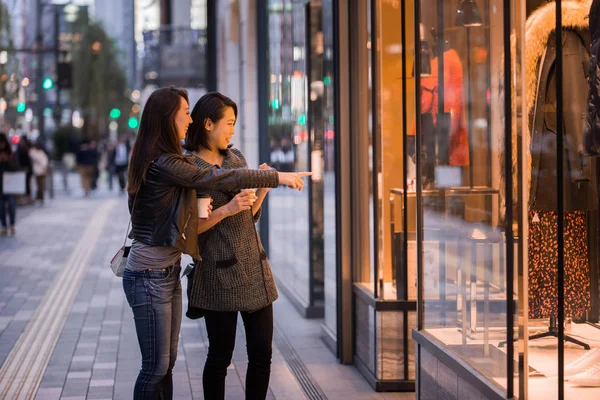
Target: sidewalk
(66, 331)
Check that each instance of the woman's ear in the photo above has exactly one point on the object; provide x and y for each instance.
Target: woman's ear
(208, 124)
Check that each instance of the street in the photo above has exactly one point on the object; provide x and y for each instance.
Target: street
(66, 331)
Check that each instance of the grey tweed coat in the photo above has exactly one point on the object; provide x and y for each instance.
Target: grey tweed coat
(234, 273)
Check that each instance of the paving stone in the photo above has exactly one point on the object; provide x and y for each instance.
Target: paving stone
(97, 355)
(48, 394)
(108, 365)
(83, 358)
(79, 375)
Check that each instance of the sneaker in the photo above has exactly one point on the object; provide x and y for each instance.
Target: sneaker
(4, 232)
(587, 359)
(590, 377)
(12, 231)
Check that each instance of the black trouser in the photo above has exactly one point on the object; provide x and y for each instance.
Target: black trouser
(221, 327)
(121, 171)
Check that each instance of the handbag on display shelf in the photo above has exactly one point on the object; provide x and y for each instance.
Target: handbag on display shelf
(119, 260)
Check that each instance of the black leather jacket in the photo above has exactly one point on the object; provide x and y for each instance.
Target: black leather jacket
(164, 211)
(579, 170)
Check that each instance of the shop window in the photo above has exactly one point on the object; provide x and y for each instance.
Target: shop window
(475, 239)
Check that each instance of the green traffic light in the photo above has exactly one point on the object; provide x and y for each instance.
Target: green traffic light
(21, 107)
(275, 104)
(133, 122)
(302, 119)
(47, 84)
(115, 113)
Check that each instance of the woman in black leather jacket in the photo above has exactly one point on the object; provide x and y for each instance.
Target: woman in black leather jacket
(164, 217)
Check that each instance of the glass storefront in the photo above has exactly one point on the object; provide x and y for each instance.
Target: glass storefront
(460, 235)
(386, 308)
(288, 210)
(301, 119)
(458, 219)
(505, 199)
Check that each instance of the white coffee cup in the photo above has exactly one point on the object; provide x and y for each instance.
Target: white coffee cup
(203, 204)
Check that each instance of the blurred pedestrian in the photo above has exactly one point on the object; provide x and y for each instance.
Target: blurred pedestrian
(39, 165)
(164, 221)
(234, 276)
(276, 155)
(94, 155)
(8, 163)
(86, 164)
(119, 160)
(25, 164)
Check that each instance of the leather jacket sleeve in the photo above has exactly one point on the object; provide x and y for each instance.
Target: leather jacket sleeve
(176, 171)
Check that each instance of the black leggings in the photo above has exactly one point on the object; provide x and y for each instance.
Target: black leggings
(221, 327)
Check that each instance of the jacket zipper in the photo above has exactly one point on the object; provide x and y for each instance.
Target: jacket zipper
(187, 221)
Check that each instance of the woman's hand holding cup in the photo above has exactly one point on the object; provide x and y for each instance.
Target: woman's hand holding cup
(204, 206)
(241, 202)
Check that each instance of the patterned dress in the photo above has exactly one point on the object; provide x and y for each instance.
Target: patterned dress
(543, 258)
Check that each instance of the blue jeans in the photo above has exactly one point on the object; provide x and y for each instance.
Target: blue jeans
(10, 201)
(155, 298)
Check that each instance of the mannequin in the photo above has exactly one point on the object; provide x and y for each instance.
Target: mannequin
(443, 145)
(592, 134)
(580, 172)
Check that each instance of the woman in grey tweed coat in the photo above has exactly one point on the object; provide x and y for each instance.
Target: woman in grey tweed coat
(234, 274)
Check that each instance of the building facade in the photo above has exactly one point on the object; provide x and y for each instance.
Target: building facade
(432, 244)
(117, 17)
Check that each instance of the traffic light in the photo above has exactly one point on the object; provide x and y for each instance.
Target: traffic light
(302, 119)
(21, 107)
(115, 113)
(133, 122)
(47, 83)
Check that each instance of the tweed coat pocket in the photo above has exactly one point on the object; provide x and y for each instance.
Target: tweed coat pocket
(231, 273)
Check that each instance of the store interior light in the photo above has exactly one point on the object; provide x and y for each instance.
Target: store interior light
(467, 14)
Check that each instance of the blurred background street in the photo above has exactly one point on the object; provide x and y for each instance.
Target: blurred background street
(65, 324)
(75, 76)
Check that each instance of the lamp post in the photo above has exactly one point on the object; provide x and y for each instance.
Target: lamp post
(71, 14)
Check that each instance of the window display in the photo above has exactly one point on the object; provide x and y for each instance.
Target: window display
(491, 263)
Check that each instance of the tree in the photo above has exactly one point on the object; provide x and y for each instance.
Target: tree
(10, 64)
(99, 82)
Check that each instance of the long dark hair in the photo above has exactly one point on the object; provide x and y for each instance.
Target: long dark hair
(4, 139)
(212, 105)
(157, 134)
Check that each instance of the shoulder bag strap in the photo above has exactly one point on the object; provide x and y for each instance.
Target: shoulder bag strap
(131, 216)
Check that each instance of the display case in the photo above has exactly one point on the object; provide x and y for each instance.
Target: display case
(501, 254)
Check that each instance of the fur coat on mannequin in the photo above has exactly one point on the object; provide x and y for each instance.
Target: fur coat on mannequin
(539, 28)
